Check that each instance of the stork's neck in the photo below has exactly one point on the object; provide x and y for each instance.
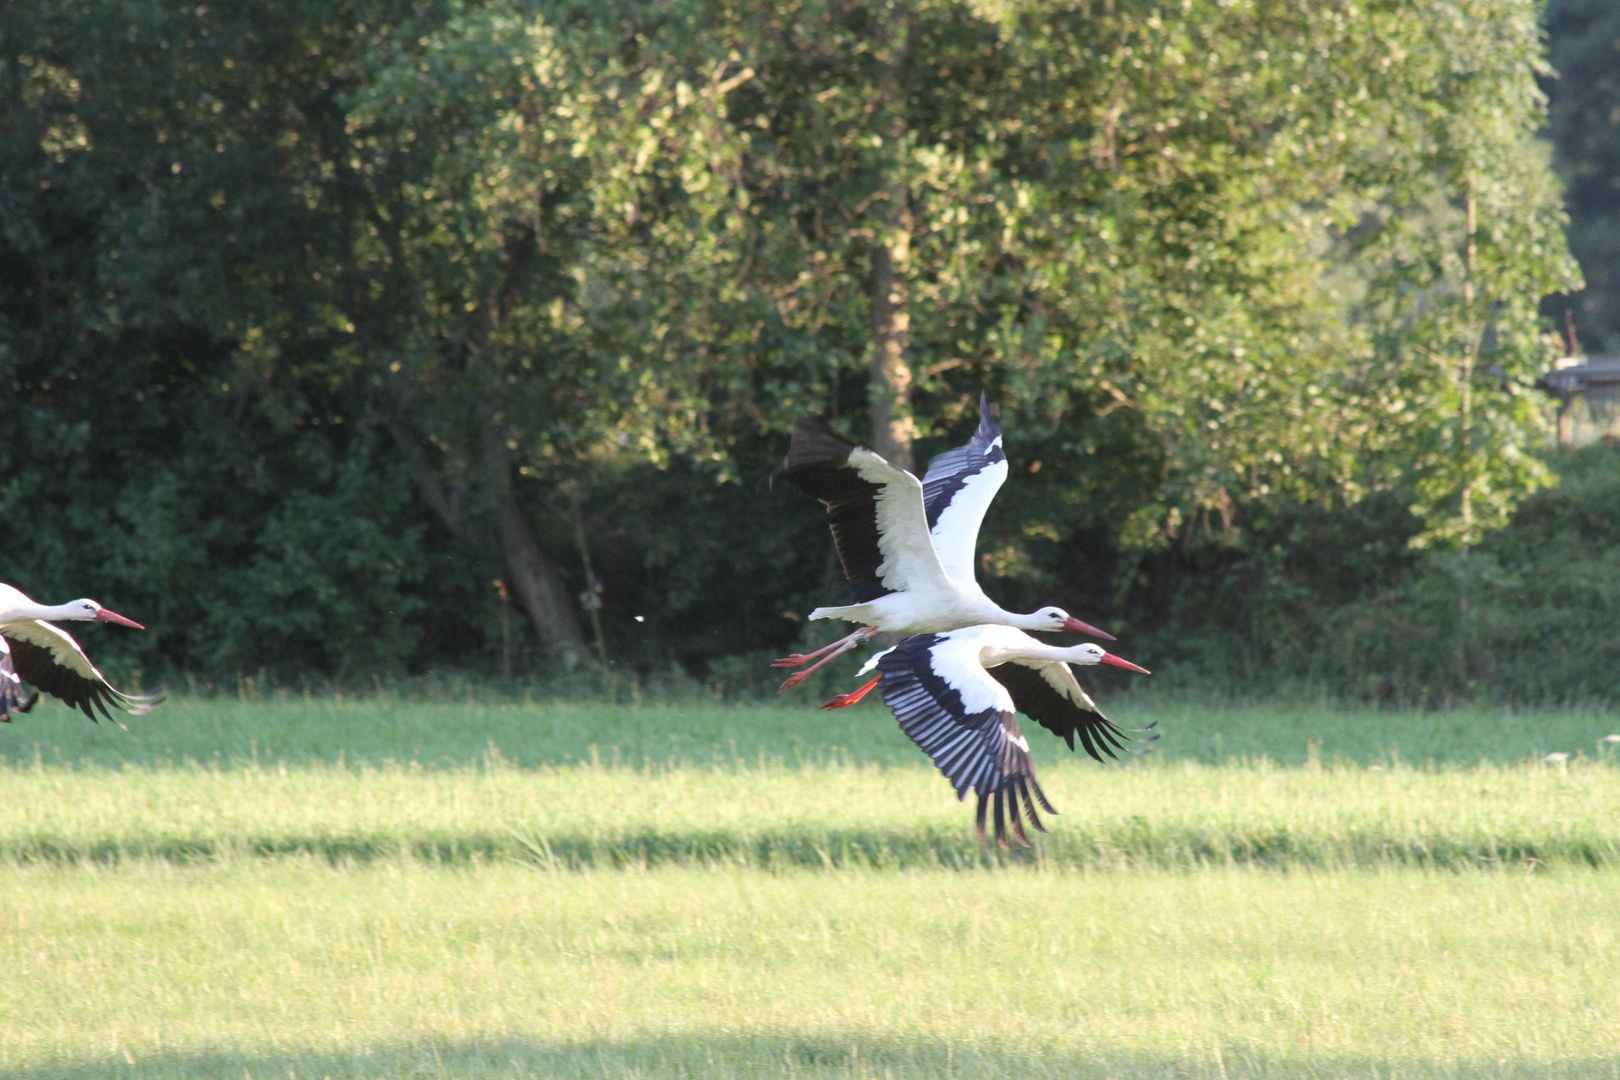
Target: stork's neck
(32, 612)
(986, 611)
(1030, 621)
(1028, 648)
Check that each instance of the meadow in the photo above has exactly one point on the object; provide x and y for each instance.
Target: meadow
(318, 887)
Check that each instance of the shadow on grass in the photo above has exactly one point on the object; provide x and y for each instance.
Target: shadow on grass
(1116, 844)
(723, 1056)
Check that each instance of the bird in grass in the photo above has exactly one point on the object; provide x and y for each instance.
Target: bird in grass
(958, 695)
(34, 652)
(907, 545)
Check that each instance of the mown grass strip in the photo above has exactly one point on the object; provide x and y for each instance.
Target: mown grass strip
(277, 969)
(1164, 816)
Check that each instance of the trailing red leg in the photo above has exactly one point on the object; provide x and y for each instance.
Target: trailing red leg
(837, 648)
(846, 700)
(804, 658)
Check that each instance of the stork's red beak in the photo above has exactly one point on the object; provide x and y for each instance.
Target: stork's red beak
(1086, 628)
(114, 617)
(1110, 658)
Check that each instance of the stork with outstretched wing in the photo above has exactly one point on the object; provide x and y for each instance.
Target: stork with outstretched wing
(907, 545)
(958, 696)
(34, 652)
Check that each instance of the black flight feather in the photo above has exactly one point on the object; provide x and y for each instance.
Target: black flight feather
(38, 666)
(817, 464)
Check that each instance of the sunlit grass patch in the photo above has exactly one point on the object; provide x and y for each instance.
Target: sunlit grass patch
(382, 890)
(1161, 814)
(262, 969)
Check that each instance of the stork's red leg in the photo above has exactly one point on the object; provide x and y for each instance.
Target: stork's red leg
(841, 644)
(837, 648)
(845, 700)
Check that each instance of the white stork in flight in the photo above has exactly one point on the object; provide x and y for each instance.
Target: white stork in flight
(957, 695)
(907, 545)
(33, 651)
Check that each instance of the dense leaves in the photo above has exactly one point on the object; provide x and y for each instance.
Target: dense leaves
(318, 318)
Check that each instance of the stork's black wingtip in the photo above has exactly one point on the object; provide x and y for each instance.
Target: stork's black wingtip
(989, 426)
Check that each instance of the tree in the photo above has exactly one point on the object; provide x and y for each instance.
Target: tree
(1195, 236)
(168, 176)
(530, 182)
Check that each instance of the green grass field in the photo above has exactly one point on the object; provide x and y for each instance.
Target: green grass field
(391, 889)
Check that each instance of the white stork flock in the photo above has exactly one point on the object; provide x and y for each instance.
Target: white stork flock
(907, 545)
(957, 695)
(33, 651)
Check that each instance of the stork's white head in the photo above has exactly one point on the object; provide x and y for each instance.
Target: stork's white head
(90, 611)
(1094, 654)
(1053, 619)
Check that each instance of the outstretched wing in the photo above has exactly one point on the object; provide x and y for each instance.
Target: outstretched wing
(875, 511)
(957, 491)
(52, 662)
(1048, 693)
(964, 722)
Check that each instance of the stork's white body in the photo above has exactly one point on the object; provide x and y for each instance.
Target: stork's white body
(929, 571)
(907, 545)
(963, 659)
(958, 695)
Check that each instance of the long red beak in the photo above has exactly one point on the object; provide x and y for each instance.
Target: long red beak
(1110, 658)
(114, 617)
(1086, 628)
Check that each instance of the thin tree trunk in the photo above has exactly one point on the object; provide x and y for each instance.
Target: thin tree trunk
(529, 572)
(1466, 507)
(889, 394)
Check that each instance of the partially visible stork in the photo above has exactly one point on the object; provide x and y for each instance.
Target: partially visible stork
(907, 545)
(957, 695)
(33, 651)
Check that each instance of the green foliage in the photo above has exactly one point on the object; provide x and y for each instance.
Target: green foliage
(298, 300)
(1524, 616)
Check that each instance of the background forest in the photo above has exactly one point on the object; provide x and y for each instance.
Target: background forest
(318, 318)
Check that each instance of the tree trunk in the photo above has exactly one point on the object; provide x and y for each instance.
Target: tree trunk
(529, 572)
(890, 393)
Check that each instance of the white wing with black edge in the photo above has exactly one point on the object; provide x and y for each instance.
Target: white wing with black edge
(874, 509)
(964, 721)
(957, 491)
(50, 660)
(1047, 692)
